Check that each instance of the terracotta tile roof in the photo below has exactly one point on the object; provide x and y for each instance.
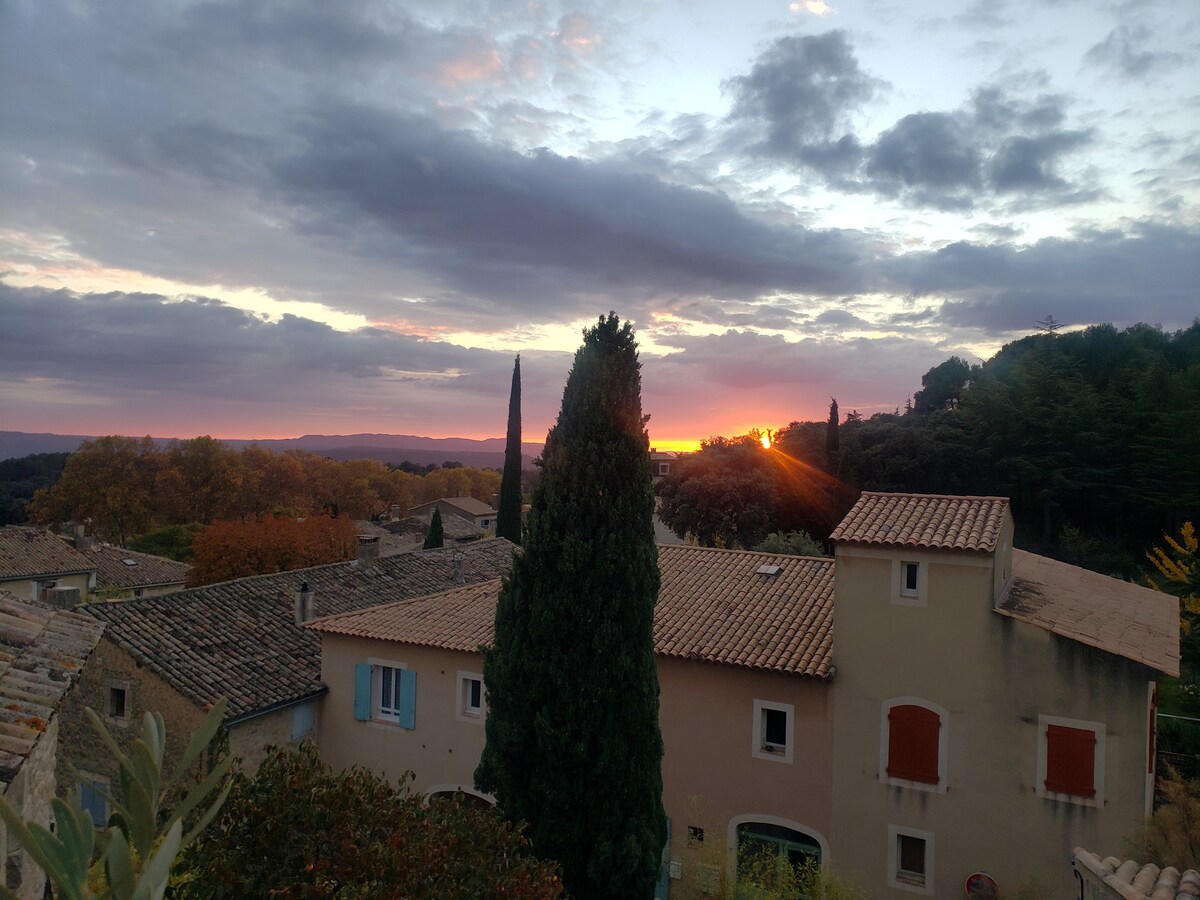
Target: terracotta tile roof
(238, 639)
(713, 606)
(927, 521)
(113, 572)
(1131, 881)
(390, 542)
(30, 552)
(42, 651)
(1126, 619)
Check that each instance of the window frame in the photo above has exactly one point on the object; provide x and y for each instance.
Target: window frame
(298, 717)
(126, 688)
(759, 747)
(901, 594)
(387, 716)
(907, 880)
(943, 759)
(100, 786)
(1098, 730)
(464, 712)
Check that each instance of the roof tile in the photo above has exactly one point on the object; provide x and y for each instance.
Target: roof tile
(927, 521)
(30, 552)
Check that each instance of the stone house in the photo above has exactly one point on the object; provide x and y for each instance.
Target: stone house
(127, 574)
(929, 704)
(42, 652)
(242, 640)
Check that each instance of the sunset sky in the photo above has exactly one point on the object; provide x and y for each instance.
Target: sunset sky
(264, 219)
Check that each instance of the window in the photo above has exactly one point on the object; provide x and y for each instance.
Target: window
(914, 744)
(1070, 760)
(385, 692)
(470, 697)
(118, 699)
(909, 579)
(773, 725)
(695, 835)
(93, 797)
(910, 859)
(302, 720)
(759, 844)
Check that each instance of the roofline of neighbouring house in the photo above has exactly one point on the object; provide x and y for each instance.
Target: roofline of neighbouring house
(275, 707)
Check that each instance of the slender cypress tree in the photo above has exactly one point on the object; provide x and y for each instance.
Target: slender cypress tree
(508, 516)
(573, 742)
(436, 536)
(832, 438)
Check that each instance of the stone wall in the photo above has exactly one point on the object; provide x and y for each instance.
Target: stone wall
(30, 792)
(250, 741)
(112, 667)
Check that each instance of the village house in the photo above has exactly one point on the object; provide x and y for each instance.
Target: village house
(42, 652)
(36, 564)
(474, 511)
(981, 709)
(242, 640)
(123, 574)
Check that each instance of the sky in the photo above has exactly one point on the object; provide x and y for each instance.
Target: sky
(272, 218)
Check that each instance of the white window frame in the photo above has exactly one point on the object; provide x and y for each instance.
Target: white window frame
(378, 713)
(464, 712)
(895, 878)
(901, 596)
(1098, 759)
(943, 745)
(757, 747)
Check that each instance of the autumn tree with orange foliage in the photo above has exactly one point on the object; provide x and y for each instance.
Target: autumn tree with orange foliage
(227, 550)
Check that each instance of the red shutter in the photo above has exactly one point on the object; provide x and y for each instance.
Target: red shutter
(913, 743)
(1071, 760)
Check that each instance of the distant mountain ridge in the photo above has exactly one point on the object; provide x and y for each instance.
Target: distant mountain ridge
(392, 448)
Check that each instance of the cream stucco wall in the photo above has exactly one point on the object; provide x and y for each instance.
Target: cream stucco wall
(26, 588)
(993, 677)
(711, 776)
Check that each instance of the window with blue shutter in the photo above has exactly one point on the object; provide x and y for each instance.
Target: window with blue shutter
(362, 691)
(92, 799)
(406, 704)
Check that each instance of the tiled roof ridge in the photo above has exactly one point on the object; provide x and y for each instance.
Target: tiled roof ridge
(924, 521)
(919, 496)
(774, 555)
(347, 617)
(249, 580)
(1131, 880)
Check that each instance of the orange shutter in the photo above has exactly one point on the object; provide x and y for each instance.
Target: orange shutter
(1071, 760)
(913, 743)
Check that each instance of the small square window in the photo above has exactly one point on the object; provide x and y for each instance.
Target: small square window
(773, 725)
(909, 572)
(910, 853)
(470, 697)
(118, 703)
(695, 834)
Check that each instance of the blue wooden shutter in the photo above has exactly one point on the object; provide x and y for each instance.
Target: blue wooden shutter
(663, 888)
(362, 691)
(93, 802)
(406, 703)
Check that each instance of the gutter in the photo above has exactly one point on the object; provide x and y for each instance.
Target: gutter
(275, 707)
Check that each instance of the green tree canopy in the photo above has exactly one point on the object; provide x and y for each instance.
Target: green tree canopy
(437, 535)
(573, 742)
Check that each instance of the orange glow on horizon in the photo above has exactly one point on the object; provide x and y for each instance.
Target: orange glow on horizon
(675, 446)
(766, 440)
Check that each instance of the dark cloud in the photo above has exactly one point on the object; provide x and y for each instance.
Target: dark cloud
(1125, 53)
(1091, 278)
(795, 107)
(799, 94)
(541, 231)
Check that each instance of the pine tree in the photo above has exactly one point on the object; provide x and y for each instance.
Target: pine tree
(508, 516)
(435, 538)
(573, 741)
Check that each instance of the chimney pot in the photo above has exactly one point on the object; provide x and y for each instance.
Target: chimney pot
(458, 567)
(305, 607)
(368, 550)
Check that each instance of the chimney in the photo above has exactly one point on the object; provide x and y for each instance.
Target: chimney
(82, 541)
(305, 607)
(458, 567)
(63, 597)
(368, 550)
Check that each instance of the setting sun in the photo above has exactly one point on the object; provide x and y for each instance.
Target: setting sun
(766, 440)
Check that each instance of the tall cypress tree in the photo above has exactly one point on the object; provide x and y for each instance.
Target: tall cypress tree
(832, 438)
(436, 536)
(573, 742)
(508, 516)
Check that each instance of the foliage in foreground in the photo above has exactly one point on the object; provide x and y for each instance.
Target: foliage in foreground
(143, 837)
(296, 829)
(572, 681)
(1171, 836)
